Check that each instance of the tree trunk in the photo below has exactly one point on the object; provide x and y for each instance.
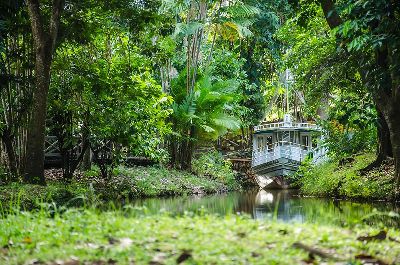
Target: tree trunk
(392, 116)
(181, 151)
(187, 157)
(384, 143)
(44, 44)
(34, 165)
(12, 161)
(387, 98)
(384, 148)
(87, 161)
(87, 157)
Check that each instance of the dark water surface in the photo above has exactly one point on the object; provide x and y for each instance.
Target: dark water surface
(283, 205)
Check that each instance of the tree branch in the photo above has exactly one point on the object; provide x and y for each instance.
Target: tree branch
(36, 21)
(55, 22)
(331, 15)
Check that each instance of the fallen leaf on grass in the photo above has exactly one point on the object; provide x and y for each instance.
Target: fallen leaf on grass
(67, 262)
(380, 236)
(270, 245)
(314, 251)
(283, 231)
(370, 260)
(241, 234)
(9, 244)
(35, 262)
(394, 239)
(27, 240)
(111, 261)
(112, 240)
(310, 259)
(101, 262)
(125, 242)
(186, 254)
(92, 246)
(158, 259)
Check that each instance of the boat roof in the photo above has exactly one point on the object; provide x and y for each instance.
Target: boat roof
(286, 126)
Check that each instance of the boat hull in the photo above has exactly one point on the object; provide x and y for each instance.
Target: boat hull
(273, 174)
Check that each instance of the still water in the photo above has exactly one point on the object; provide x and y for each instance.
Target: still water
(282, 205)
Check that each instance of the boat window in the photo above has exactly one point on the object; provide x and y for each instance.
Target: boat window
(304, 140)
(292, 138)
(269, 142)
(260, 141)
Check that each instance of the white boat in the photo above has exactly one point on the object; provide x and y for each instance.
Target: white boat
(280, 147)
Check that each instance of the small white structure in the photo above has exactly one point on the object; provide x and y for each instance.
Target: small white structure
(279, 148)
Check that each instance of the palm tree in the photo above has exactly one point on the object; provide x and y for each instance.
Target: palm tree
(201, 115)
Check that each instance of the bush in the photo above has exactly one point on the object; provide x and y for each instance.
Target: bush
(214, 166)
(29, 196)
(295, 179)
(334, 180)
(343, 142)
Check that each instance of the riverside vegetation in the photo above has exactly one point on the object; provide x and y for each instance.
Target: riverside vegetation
(213, 175)
(345, 179)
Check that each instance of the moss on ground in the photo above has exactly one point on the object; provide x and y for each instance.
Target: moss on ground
(127, 237)
(334, 180)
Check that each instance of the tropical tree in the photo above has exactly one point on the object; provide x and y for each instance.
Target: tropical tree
(44, 41)
(368, 33)
(199, 31)
(201, 115)
(104, 98)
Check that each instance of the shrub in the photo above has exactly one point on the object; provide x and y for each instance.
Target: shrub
(335, 180)
(214, 166)
(344, 142)
(305, 167)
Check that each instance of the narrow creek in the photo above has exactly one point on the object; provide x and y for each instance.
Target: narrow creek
(282, 205)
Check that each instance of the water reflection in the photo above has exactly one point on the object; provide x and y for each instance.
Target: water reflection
(275, 205)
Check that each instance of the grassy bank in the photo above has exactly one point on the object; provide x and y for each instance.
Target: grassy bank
(334, 179)
(126, 237)
(126, 183)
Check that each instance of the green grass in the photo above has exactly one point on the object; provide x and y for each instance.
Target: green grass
(125, 184)
(330, 179)
(154, 181)
(129, 237)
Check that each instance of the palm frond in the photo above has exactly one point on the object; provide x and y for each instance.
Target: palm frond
(187, 29)
(242, 10)
(227, 121)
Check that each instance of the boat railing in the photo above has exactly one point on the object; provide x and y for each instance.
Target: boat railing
(275, 125)
(285, 149)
